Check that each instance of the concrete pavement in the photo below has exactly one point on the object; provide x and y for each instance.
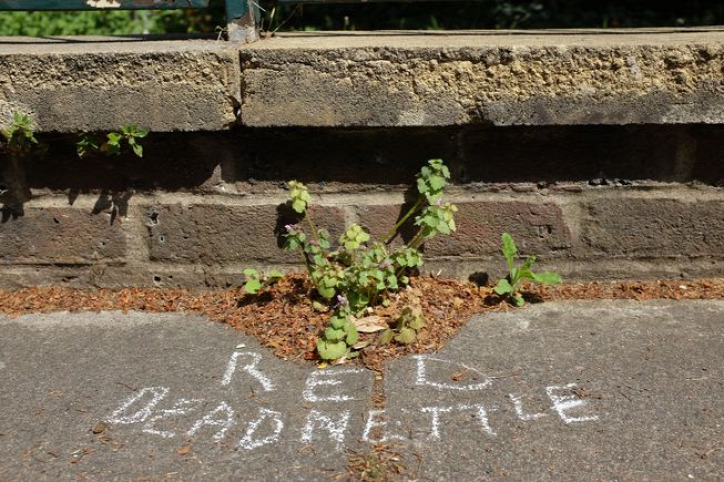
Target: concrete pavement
(607, 390)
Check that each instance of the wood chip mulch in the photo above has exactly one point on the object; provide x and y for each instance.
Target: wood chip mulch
(282, 318)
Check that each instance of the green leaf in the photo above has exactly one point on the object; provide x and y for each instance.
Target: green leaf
(518, 301)
(326, 293)
(548, 278)
(503, 287)
(417, 323)
(337, 322)
(333, 334)
(406, 336)
(509, 249)
(437, 182)
(137, 149)
(275, 274)
(331, 350)
(386, 337)
(252, 286)
(528, 262)
(251, 272)
(299, 206)
(352, 335)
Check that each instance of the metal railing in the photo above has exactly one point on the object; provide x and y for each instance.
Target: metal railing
(240, 14)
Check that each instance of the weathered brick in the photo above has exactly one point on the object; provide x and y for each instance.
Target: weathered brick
(379, 219)
(655, 227)
(217, 234)
(61, 236)
(537, 228)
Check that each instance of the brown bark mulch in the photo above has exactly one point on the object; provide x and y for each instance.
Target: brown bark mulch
(283, 319)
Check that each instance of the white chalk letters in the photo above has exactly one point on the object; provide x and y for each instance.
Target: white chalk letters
(327, 403)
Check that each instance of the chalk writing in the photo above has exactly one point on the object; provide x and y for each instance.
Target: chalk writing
(210, 419)
(249, 368)
(481, 415)
(329, 378)
(422, 378)
(181, 407)
(157, 394)
(257, 426)
(249, 442)
(564, 403)
(336, 428)
(376, 419)
(518, 407)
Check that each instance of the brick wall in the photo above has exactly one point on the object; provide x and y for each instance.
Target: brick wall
(593, 202)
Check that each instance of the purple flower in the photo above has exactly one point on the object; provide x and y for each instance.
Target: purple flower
(341, 300)
(385, 264)
(289, 228)
(438, 202)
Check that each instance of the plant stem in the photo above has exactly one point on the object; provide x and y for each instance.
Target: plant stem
(418, 239)
(391, 233)
(312, 226)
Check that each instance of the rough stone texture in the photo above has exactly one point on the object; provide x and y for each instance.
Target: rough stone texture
(217, 234)
(539, 228)
(526, 79)
(99, 84)
(655, 227)
(60, 236)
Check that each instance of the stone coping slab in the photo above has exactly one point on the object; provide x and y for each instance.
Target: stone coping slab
(339, 79)
(101, 83)
(453, 78)
(604, 390)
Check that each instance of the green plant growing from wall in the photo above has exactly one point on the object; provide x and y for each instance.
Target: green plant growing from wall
(358, 272)
(255, 281)
(19, 143)
(19, 135)
(510, 286)
(113, 143)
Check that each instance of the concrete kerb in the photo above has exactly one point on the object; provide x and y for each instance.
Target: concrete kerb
(595, 390)
(380, 79)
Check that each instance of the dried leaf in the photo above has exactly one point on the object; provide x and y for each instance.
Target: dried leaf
(99, 428)
(184, 450)
(361, 344)
(370, 324)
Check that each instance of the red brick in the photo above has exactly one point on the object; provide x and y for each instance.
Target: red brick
(537, 228)
(654, 227)
(218, 234)
(61, 236)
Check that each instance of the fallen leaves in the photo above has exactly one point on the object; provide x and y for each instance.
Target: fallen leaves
(285, 320)
(370, 324)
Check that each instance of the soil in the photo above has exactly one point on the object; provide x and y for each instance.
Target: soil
(283, 319)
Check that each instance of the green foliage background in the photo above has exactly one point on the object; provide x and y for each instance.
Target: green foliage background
(484, 14)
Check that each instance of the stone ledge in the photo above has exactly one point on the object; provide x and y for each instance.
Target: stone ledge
(95, 84)
(453, 78)
(368, 79)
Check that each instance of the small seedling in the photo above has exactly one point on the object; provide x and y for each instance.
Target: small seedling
(409, 324)
(19, 135)
(255, 281)
(516, 275)
(113, 143)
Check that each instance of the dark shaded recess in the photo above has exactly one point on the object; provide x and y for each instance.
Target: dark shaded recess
(376, 158)
(484, 154)
(171, 162)
(709, 167)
